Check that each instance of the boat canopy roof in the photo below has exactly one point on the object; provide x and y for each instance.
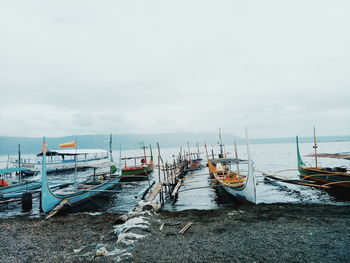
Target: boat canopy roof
(344, 155)
(12, 170)
(227, 160)
(74, 152)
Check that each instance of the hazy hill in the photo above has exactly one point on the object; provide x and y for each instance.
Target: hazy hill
(9, 145)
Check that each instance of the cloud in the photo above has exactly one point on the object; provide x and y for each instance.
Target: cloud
(87, 67)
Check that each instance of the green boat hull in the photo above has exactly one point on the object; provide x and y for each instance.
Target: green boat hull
(339, 182)
(137, 171)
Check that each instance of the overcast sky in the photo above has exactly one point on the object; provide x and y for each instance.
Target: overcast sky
(88, 67)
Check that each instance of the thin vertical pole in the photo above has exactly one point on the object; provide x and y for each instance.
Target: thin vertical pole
(19, 162)
(315, 147)
(221, 150)
(236, 154)
(8, 161)
(161, 189)
(19, 156)
(144, 153)
(164, 178)
(159, 155)
(180, 153)
(110, 154)
(173, 171)
(189, 152)
(167, 176)
(150, 149)
(76, 156)
(206, 150)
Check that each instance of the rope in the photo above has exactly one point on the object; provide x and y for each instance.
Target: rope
(340, 182)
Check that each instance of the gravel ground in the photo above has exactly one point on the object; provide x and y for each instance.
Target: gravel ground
(262, 233)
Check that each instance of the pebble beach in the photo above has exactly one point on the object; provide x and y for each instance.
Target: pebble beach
(261, 233)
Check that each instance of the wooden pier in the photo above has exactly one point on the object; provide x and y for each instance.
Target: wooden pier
(170, 179)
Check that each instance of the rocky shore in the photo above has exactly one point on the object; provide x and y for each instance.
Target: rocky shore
(262, 233)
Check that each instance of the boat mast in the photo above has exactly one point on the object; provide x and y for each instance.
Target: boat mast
(198, 150)
(19, 162)
(110, 153)
(189, 151)
(206, 150)
(144, 151)
(8, 161)
(150, 149)
(221, 145)
(180, 154)
(236, 155)
(76, 157)
(315, 147)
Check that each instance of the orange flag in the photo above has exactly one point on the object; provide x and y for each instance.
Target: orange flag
(43, 150)
(68, 144)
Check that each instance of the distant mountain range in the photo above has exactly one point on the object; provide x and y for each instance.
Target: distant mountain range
(9, 145)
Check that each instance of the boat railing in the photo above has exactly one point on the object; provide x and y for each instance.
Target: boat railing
(50, 160)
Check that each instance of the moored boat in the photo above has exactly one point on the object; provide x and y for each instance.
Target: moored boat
(241, 186)
(61, 160)
(337, 178)
(194, 164)
(135, 171)
(235, 175)
(192, 160)
(51, 200)
(16, 187)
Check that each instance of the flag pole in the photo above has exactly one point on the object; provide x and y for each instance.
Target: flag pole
(110, 154)
(76, 155)
(315, 147)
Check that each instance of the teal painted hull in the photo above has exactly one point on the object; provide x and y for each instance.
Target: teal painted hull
(338, 182)
(19, 187)
(50, 200)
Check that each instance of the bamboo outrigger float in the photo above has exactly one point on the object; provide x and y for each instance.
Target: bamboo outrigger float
(337, 178)
(54, 202)
(237, 184)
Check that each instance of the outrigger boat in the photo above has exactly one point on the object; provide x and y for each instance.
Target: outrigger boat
(237, 184)
(336, 179)
(61, 160)
(9, 188)
(51, 201)
(137, 172)
(194, 162)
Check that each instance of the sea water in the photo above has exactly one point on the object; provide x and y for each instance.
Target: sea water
(200, 191)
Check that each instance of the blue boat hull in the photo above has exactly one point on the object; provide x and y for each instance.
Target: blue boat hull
(50, 200)
(19, 187)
